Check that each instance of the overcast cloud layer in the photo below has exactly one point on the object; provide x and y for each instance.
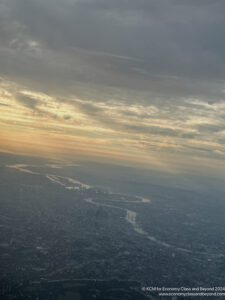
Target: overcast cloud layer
(150, 73)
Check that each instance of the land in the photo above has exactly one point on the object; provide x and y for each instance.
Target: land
(58, 231)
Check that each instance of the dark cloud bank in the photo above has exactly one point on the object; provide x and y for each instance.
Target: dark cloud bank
(150, 52)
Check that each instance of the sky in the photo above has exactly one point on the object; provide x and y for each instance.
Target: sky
(134, 81)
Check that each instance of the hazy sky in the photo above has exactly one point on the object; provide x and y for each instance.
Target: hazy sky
(135, 80)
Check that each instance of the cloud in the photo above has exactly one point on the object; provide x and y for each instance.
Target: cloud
(28, 101)
(67, 117)
(4, 104)
(174, 48)
(148, 70)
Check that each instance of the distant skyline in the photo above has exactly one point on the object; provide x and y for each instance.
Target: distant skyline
(138, 82)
